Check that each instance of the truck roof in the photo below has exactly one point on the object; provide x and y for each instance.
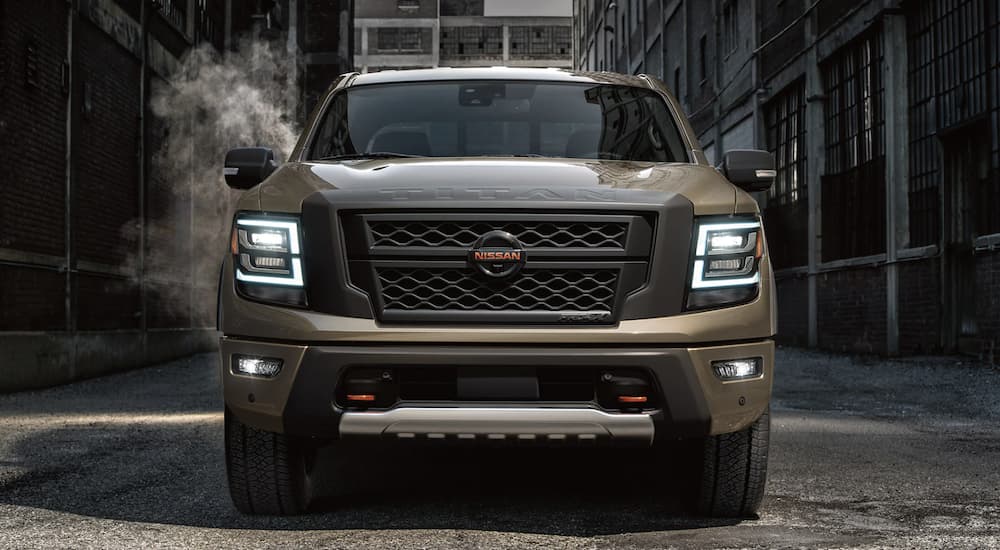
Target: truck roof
(496, 73)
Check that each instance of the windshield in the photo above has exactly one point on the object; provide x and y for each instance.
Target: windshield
(497, 118)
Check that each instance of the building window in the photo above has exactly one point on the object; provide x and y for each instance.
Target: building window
(786, 216)
(471, 42)
(784, 118)
(730, 27)
(174, 11)
(408, 5)
(854, 182)
(540, 42)
(208, 23)
(399, 40)
(703, 58)
(462, 8)
(950, 87)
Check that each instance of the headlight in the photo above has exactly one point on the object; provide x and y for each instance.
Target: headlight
(726, 264)
(268, 259)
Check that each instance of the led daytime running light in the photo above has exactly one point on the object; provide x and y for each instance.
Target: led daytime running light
(271, 254)
(740, 241)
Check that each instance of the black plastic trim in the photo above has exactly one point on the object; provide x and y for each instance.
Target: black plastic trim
(264, 293)
(311, 409)
(688, 291)
(339, 240)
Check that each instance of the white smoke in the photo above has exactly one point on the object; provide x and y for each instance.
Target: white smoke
(244, 98)
(212, 103)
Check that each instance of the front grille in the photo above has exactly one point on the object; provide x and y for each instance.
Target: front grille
(463, 233)
(579, 267)
(549, 290)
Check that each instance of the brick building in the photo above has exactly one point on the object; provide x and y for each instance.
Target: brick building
(884, 222)
(408, 34)
(99, 255)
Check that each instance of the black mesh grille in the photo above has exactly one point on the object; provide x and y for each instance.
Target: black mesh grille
(436, 289)
(557, 234)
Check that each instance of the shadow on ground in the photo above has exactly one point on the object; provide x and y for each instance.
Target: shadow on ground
(141, 447)
(174, 474)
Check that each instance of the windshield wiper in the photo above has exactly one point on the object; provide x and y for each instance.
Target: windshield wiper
(353, 156)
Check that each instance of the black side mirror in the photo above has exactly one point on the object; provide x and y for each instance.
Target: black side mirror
(248, 166)
(749, 169)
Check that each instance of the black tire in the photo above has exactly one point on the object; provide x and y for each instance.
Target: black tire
(269, 473)
(734, 471)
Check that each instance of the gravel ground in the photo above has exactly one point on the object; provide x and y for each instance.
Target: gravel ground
(864, 453)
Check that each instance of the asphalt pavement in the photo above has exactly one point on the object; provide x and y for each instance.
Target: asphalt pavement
(864, 453)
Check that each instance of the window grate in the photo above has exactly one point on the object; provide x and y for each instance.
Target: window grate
(400, 40)
(540, 42)
(854, 182)
(471, 42)
(786, 214)
(950, 62)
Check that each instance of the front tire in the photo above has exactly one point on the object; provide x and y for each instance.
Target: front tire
(734, 471)
(268, 472)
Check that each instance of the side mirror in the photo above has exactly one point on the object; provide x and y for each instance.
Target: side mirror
(749, 169)
(248, 166)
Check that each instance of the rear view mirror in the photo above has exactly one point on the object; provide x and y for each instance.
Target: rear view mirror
(248, 166)
(749, 169)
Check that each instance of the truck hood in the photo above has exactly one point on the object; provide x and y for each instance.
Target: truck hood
(440, 180)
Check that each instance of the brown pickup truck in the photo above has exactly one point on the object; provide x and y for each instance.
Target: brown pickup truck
(496, 256)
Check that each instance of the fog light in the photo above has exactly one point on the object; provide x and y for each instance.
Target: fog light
(738, 369)
(265, 367)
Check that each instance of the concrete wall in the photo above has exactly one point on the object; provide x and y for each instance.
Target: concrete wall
(793, 307)
(74, 299)
(33, 150)
(376, 9)
(527, 8)
(852, 310)
(37, 360)
(920, 306)
(988, 305)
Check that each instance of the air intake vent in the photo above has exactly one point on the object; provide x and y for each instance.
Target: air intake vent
(463, 234)
(430, 289)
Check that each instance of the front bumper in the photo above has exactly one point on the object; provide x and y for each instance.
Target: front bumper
(300, 400)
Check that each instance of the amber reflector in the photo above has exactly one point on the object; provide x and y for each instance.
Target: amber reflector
(361, 397)
(631, 398)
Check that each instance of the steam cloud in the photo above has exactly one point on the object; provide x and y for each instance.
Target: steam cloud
(243, 99)
(211, 104)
